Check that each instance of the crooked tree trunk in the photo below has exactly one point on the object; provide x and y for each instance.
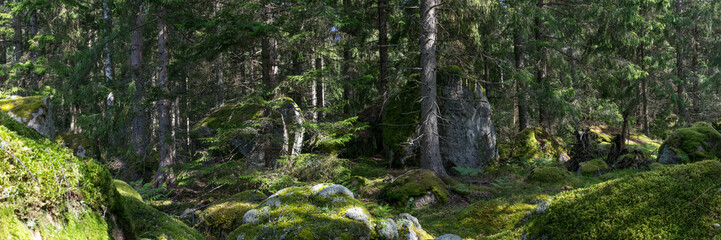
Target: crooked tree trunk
(139, 123)
(520, 83)
(430, 149)
(167, 151)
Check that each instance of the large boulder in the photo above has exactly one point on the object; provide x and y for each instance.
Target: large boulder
(698, 142)
(468, 138)
(48, 193)
(417, 189)
(259, 130)
(34, 111)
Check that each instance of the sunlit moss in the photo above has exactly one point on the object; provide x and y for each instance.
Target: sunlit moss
(415, 184)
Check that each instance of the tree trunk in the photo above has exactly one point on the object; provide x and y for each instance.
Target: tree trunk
(167, 151)
(269, 57)
(140, 116)
(644, 92)
(541, 69)
(520, 83)
(319, 88)
(348, 60)
(681, 88)
(383, 67)
(34, 77)
(218, 66)
(3, 49)
(107, 61)
(430, 148)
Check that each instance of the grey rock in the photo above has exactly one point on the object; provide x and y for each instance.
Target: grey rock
(357, 214)
(424, 201)
(40, 119)
(449, 237)
(466, 129)
(334, 190)
(387, 229)
(315, 189)
(272, 202)
(716, 225)
(410, 219)
(253, 216)
(668, 156)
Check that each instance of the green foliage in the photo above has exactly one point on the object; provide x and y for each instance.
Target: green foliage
(698, 142)
(332, 137)
(669, 203)
(534, 146)
(149, 192)
(594, 167)
(464, 171)
(221, 218)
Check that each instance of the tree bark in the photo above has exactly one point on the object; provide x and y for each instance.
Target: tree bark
(167, 151)
(139, 123)
(348, 59)
(108, 60)
(269, 57)
(520, 83)
(541, 69)
(35, 81)
(382, 66)
(3, 48)
(430, 149)
(319, 89)
(681, 88)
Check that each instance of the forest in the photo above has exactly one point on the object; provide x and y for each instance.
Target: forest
(360, 119)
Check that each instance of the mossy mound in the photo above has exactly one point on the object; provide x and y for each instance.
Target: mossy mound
(534, 144)
(698, 142)
(34, 112)
(47, 192)
(150, 223)
(679, 202)
(593, 168)
(548, 174)
(413, 185)
(324, 211)
(221, 218)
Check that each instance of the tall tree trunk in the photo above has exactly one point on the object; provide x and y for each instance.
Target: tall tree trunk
(681, 88)
(218, 66)
(430, 148)
(644, 92)
(18, 42)
(108, 60)
(167, 151)
(382, 66)
(3, 48)
(348, 59)
(541, 69)
(34, 77)
(520, 83)
(139, 123)
(269, 57)
(319, 91)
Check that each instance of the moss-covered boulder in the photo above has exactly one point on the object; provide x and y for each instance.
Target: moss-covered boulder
(400, 127)
(48, 193)
(594, 167)
(34, 111)
(677, 202)
(259, 130)
(698, 142)
(80, 144)
(548, 174)
(150, 223)
(417, 189)
(534, 144)
(324, 211)
(219, 219)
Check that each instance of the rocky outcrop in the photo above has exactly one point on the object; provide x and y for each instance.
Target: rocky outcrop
(34, 111)
(698, 142)
(259, 130)
(468, 138)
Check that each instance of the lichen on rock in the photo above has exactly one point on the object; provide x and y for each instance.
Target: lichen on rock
(33, 111)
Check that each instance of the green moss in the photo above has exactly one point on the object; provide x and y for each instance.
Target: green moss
(548, 174)
(11, 228)
(534, 144)
(599, 135)
(303, 215)
(593, 167)
(678, 202)
(77, 142)
(148, 222)
(23, 106)
(126, 190)
(698, 142)
(401, 116)
(221, 218)
(414, 184)
(482, 218)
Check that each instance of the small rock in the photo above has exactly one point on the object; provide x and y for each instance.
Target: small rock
(251, 216)
(356, 213)
(410, 219)
(387, 229)
(335, 189)
(449, 237)
(272, 202)
(716, 225)
(426, 200)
